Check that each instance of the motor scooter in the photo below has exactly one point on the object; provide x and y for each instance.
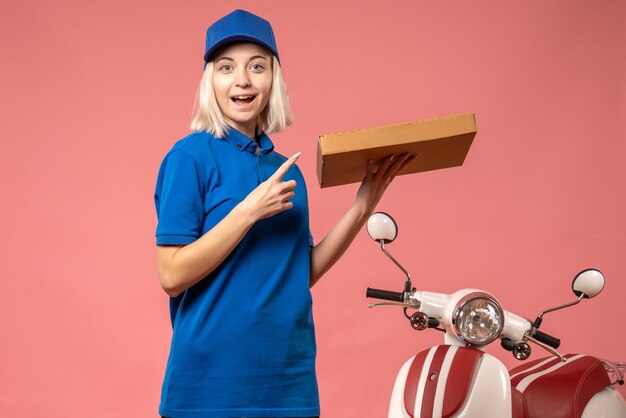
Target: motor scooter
(459, 379)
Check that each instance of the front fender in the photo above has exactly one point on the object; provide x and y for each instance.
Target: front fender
(449, 381)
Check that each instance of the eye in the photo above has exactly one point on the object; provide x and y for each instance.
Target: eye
(257, 67)
(226, 67)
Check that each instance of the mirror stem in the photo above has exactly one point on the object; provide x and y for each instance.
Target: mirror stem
(407, 284)
(537, 322)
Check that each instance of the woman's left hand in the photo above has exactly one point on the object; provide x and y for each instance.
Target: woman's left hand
(334, 245)
(375, 182)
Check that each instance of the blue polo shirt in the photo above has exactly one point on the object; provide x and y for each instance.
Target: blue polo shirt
(243, 343)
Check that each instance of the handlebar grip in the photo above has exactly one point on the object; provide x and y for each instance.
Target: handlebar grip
(384, 294)
(547, 339)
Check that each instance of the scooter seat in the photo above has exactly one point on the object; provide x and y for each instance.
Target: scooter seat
(551, 388)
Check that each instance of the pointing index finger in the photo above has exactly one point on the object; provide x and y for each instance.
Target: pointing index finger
(282, 170)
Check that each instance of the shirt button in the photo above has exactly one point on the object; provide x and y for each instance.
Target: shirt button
(238, 145)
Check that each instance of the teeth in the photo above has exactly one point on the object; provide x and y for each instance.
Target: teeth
(243, 97)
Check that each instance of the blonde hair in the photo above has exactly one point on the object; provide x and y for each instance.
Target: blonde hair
(208, 116)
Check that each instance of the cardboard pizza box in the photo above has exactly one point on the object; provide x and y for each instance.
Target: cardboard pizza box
(437, 143)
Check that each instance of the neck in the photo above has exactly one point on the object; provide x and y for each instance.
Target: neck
(249, 131)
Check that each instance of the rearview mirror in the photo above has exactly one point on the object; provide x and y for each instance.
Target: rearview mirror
(589, 283)
(382, 227)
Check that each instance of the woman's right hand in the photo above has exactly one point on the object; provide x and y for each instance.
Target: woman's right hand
(273, 195)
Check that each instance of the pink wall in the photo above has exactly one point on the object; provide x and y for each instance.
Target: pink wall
(95, 93)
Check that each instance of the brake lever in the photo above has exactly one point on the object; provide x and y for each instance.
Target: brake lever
(405, 305)
(547, 348)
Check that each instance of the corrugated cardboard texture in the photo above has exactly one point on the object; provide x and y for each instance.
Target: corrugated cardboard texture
(437, 143)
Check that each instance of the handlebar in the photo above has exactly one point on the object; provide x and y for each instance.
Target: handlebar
(547, 339)
(385, 294)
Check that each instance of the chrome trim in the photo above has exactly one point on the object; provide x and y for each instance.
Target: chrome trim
(462, 302)
(382, 247)
(405, 305)
(419, 321)
(547, 348)
(556, 308)
(521, 351)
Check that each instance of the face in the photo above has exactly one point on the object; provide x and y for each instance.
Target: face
(242, 80)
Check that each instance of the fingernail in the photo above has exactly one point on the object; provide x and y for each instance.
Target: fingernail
(296, 155)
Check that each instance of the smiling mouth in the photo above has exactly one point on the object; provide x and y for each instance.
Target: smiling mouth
(242, 100)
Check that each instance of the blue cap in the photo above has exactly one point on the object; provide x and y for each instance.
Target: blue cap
(239, 26)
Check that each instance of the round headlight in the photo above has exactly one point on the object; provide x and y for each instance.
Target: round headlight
(478, 319)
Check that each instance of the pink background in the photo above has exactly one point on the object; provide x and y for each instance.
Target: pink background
(95, 93)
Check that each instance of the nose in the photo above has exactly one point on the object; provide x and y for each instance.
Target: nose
(242, 79)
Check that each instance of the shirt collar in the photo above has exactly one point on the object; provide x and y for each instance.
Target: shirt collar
(244, 143)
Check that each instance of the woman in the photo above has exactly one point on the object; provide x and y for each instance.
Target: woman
(234, 248)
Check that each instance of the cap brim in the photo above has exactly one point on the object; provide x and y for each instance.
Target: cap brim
(234, 39)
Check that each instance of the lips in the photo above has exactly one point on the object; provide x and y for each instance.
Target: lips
(243, 100)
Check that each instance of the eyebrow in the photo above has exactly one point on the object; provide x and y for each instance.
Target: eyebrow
(251, 58)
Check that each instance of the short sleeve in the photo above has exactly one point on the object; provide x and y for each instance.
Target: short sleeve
(179, 200)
